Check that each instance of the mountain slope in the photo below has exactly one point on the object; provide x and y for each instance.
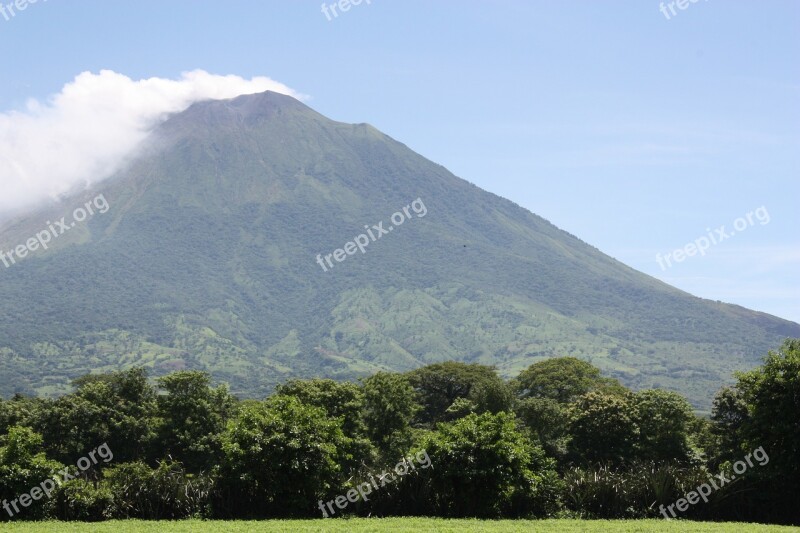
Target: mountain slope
(207, 258)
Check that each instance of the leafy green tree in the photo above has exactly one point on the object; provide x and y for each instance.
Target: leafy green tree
(389, 407)
(758, 421)
(729, 415)
(192, 419)
(441, 384)
(772, 396)
(19, 411)
(72, 424)
(483, 466)
(459, 409)
(602, 428)
(117, 408)
(281, 458)
(703, 442)
(23, 466)
(664, 420)
(339, 400)
(563, 379)
(343, 402)
(548, 421)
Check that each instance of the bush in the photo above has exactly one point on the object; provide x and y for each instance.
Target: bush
(163, 493)
(82, 500)
(24, 466)
(634, 490)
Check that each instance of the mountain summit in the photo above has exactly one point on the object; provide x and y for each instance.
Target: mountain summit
(258, 240)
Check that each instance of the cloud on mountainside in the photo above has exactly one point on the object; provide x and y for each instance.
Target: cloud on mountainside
(84, 133)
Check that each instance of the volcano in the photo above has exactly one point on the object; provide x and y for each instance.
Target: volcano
(258, 240)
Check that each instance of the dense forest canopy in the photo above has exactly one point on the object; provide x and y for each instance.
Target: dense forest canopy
(558, 440)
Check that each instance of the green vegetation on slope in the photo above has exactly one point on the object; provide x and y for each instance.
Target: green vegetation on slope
(206, 260)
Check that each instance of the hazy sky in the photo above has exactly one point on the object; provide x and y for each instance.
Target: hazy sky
(636, 132)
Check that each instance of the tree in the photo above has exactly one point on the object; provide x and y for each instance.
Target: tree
(483, 466)
(772, 396)
(281, 457)
(548, 421)
(192, 419)
(343, 402)
(602, 428)
(441, 384)
(339, 400)
(729, 414)
(117, 408)
(664, 420)
(18, 411)
(389, 407)
(758, 421)
(23, 466)
(563, 379)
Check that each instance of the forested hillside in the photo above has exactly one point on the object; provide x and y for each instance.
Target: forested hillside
(449, 439)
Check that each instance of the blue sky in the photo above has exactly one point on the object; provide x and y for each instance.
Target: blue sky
(630, 130)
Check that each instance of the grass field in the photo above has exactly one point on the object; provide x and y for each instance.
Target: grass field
(394, 524)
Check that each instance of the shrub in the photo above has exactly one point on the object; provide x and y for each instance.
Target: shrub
(164, 493)
(24, 466)
(633, 490)
(82, 500)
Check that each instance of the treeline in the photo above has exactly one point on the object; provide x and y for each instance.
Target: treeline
(558, 440)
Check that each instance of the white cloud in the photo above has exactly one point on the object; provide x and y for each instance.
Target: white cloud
(82, 134)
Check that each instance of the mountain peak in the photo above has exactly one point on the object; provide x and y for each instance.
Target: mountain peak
(268, 103)
(207, 116)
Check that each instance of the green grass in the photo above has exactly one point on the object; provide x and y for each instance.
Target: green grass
(395, 524)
